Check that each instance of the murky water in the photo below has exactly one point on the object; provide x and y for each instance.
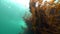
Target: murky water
(11, 13)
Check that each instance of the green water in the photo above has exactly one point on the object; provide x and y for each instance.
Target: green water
(11, 21)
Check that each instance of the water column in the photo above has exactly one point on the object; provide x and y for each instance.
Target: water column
(11, 13)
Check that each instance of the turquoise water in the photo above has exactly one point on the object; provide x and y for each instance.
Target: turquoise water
(11, 13)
